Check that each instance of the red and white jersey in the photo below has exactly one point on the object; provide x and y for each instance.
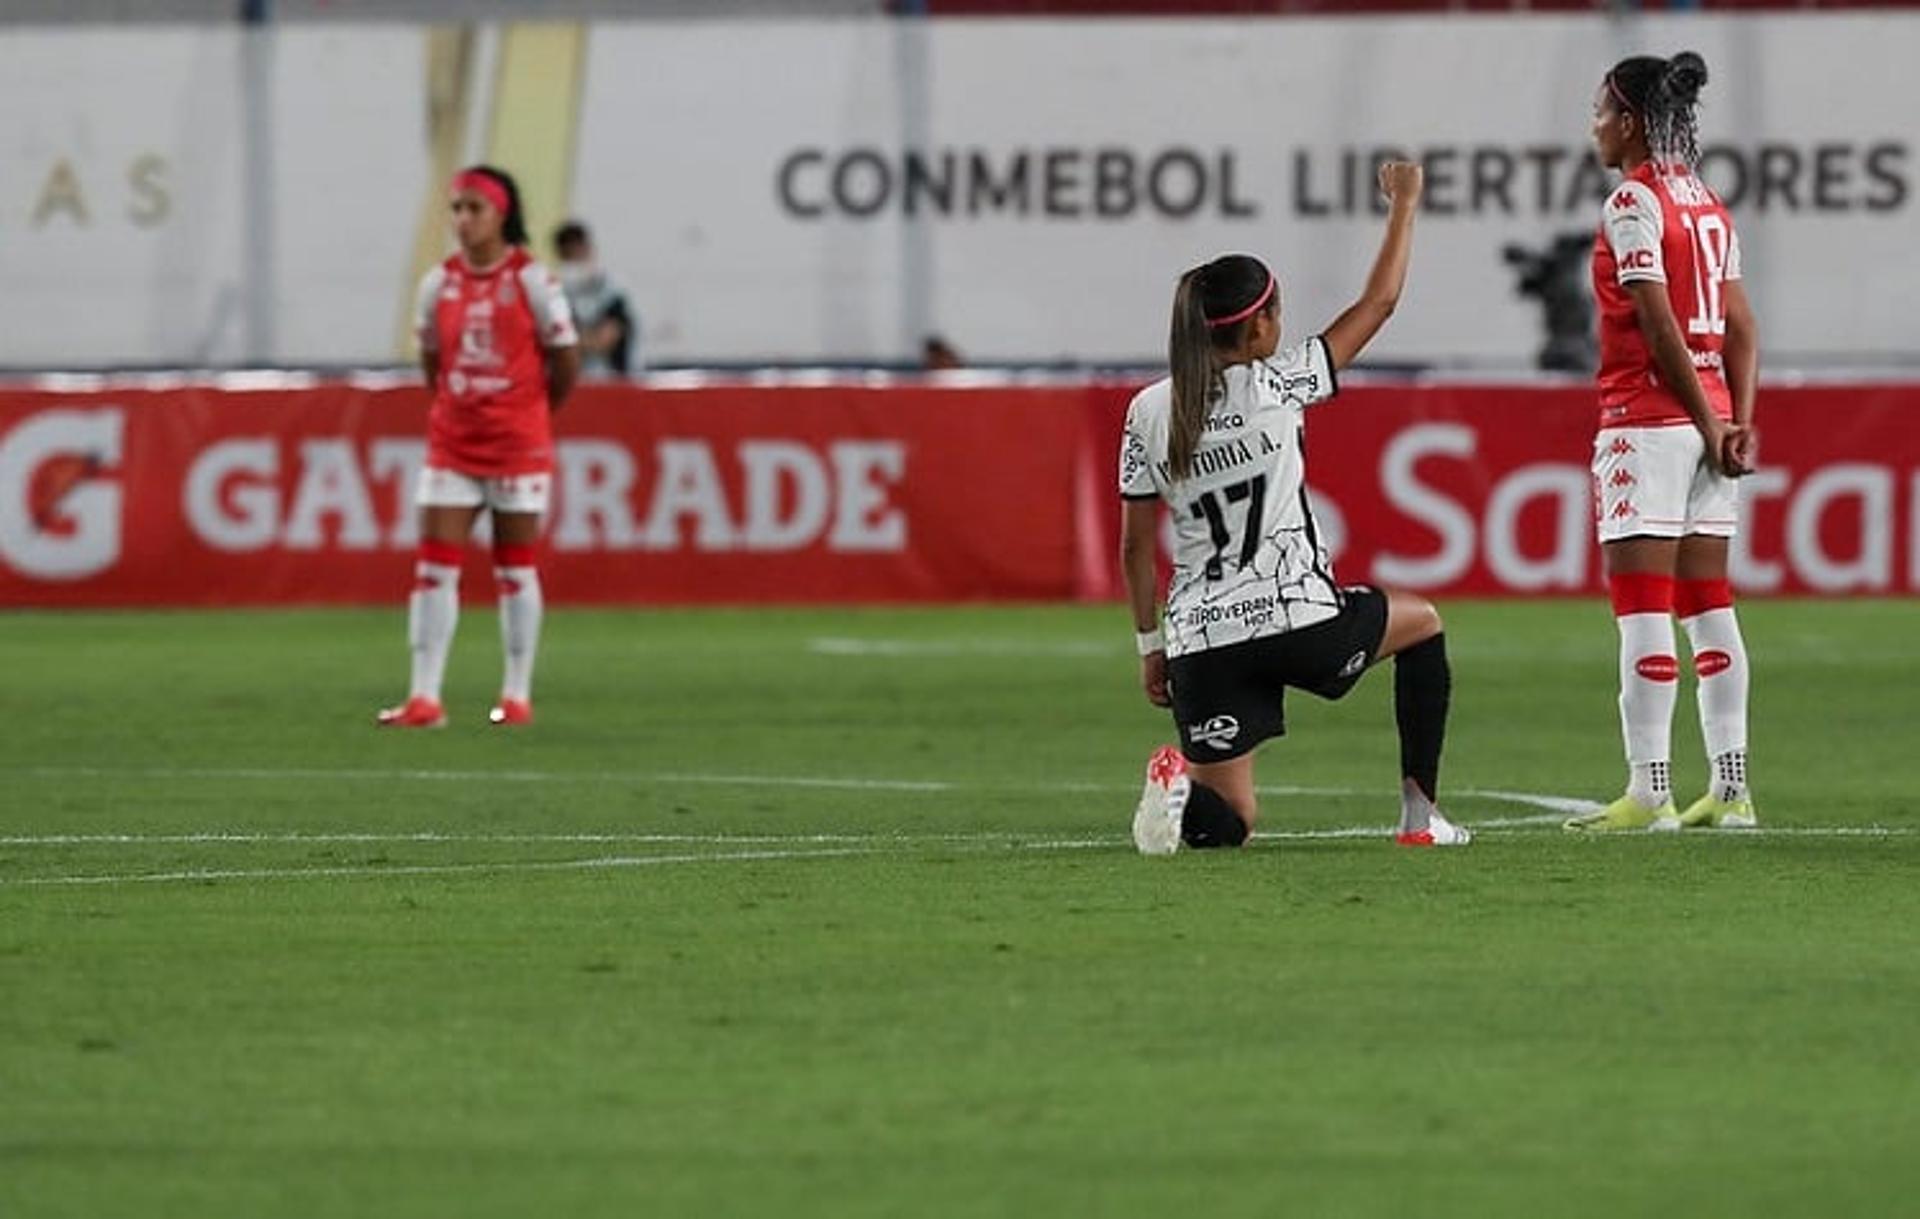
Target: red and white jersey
(1667, 226)
(492, 329)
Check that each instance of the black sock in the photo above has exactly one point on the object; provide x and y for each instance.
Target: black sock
(1209, 821)
(1422, 690)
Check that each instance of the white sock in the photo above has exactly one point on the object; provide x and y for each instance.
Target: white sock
(1649, 685)
(432, 612)
(1416, 811)
(1720, 661)
(520, 613)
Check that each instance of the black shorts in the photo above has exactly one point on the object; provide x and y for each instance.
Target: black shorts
(1227, 700)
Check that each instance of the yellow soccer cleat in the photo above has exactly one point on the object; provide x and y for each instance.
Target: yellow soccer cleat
(1712, 814)
(1626, 813)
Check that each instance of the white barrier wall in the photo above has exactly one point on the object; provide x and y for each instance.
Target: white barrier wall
(125, 194)
(834, 190)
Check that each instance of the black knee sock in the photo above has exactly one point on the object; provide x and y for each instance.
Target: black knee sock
(1422, 690)
(1209, 821)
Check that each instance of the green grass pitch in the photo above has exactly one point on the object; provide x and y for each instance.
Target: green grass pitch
(833, 913)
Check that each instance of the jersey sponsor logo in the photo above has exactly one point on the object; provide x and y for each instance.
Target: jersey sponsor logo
(1218, 732)
(1133, 460)
(1711, 662)
(1225, 421)
(1355, 663)
(1252, 611)
(1301, 384)
(1657, 668)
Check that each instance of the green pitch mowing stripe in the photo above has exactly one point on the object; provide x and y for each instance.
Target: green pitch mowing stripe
(621, 963)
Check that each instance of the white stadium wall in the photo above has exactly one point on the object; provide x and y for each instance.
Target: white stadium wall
(831, 191)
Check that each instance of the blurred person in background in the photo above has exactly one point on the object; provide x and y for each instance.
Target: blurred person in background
(500, 353)
(1679, 358)
(938, 355)
(608, 325)
(1253, 608)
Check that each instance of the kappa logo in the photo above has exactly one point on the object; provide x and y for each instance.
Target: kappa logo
(1623, 478)
(1621, 446)
(1624, 509)
(1218, 731)
(1355, 663)
(1625, 200)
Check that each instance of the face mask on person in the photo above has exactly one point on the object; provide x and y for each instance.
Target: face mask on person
(579, 277)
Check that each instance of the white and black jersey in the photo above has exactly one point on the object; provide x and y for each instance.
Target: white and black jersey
(1249, 561)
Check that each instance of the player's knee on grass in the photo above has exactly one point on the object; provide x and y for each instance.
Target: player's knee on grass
(1209, 821)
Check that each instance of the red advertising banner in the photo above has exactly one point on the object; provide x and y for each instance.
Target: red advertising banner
(198, 496)
(208, 495)
(1484, 489)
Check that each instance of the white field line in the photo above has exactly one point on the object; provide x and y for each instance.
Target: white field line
(814, 846)
(982, 838)
(833, 645)
(605, 862)
(480, 776)
(1559, 804)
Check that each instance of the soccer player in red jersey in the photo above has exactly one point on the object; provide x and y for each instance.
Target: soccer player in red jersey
(500, 353)
(1678, 362)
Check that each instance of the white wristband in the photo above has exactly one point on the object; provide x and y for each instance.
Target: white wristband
(1149, 642)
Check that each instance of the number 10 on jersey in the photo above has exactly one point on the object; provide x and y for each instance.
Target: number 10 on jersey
(1710, 242)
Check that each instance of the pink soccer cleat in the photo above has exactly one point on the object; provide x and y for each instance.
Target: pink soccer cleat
(511, 712)
(417, 712)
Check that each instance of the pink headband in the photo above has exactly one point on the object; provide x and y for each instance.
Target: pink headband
(1617, 95)
(1259, 303)
(484, 185)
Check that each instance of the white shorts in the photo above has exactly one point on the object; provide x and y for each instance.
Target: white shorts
(527, 493)
(1656, 482)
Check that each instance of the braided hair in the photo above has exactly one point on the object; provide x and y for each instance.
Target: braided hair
(1663, 92)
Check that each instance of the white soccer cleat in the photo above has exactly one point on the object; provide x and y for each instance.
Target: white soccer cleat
(1446, 833)
(1439, 832)
(1156, 820)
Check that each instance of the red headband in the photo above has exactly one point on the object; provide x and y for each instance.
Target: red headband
(1259, 303)
(484, 185)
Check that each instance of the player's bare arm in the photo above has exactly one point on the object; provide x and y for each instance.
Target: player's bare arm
(563, 371)
(1139, 541)
(430, 366)
(1742, 363)
(1348, 334)
(1670, 355)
